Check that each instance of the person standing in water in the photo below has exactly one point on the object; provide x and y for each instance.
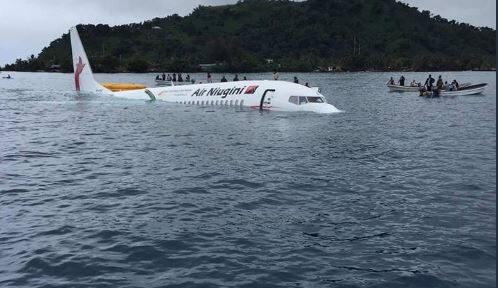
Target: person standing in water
(275, 75)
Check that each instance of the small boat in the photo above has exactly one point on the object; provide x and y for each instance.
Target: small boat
(463, 91)
(399, 88)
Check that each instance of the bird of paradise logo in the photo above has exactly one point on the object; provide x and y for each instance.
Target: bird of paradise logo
(77, 72)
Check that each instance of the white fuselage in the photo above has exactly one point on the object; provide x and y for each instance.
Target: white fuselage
(258, 94)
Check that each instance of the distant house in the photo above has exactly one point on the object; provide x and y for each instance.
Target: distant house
(269, 61)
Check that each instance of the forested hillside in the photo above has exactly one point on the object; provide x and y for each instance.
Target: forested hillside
(258, 35)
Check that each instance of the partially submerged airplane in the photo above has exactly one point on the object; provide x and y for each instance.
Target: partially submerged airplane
(258, 94)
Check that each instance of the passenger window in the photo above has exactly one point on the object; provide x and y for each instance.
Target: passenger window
(226, 102)
(236, 102)
(241, 103)
(231, 102)
(293, 100)
(216, 103)
(302, 100)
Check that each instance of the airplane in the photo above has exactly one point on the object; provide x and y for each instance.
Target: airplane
(257, 94)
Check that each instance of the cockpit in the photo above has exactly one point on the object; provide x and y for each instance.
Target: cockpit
(301, 100)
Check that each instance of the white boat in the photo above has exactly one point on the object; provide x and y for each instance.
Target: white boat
(399, 88)
(257, 94)
(468, 90)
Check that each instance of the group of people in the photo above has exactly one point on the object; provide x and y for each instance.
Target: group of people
(174, 78)
(178, 78)
(429, 84)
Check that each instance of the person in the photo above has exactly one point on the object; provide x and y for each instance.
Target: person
(169, 78)
(455, 84)
(429, 82)
(391, 81)
(439, 83)
(164, 76)
(296, 80)
(180, 78)
(307, 84)
(209, 79)
(245, 78)
(174, 77)
(414, 83)
(158, 77)
(187, 78)
(236, 78)
(223, 79)
(402, 80)
(446, 86)
(275, 75)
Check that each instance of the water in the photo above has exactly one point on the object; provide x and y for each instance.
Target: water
(397, 191)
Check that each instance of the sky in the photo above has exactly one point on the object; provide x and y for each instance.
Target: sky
(26, 26)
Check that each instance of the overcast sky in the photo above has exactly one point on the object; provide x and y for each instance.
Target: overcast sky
(26, 26)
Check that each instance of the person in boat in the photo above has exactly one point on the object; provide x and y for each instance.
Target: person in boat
(440, 83)
(245, 78)
(158, 77)
(164, 76)
(296, 80)
(402, 80)
(223, 79)
(174, 77)
(180, 78)
(236, 78)
(391, 81)
(455, 84)
(429, 83)
(307, 84)
(187, 78)
(209, 79)
(275, 75)
(169, 78)
(414, 83)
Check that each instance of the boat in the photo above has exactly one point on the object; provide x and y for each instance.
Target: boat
(399, 88)
(465, 91)
(258, 94)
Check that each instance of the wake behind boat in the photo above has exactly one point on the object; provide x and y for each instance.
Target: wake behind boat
(260, 94)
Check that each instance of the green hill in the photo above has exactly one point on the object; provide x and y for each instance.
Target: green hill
(257, 35)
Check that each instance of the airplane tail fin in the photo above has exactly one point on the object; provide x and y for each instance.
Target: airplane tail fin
(83, 77)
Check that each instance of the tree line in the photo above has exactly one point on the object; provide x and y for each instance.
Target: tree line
(263, 35)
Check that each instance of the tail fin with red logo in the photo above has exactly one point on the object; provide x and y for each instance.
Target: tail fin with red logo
(83, 77)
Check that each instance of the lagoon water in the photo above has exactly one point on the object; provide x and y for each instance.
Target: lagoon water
(396, 191)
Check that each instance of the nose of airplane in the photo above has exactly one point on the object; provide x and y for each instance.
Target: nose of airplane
(327, 108)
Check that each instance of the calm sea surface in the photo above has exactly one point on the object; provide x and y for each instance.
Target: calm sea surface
(397, 191)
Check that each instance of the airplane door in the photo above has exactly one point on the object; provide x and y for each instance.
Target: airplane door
(266, 99)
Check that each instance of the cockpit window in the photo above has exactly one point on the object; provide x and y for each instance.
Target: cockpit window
(293, 100)
(315, 100)
(302, 100)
